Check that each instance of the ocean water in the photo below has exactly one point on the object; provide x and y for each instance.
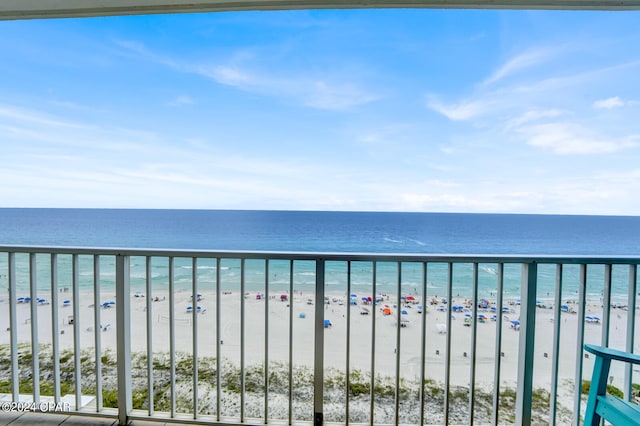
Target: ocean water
(431, 233)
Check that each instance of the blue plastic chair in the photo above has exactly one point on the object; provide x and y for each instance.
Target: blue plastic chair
(602, 406)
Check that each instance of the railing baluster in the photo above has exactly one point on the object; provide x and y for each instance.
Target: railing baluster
(631, 326)
(396, 407)
(474, 333)
(423, 340)
(524, 387)
(266, 344)
(582, 290)
(172, 337)
(55, 332)
(35, 344)
(373, 345)
(13, 329)
(447, 365)
(123, 325)
(218, 341)
(290, 415)
(553, 397)
(242, 337)
(97, 327)
(318, 362)
(149, 306)
(347, 367)
(498, 347)
(606, 305)
(194, 305)
(75, 284)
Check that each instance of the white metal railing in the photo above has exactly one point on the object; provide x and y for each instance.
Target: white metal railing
(250, 341)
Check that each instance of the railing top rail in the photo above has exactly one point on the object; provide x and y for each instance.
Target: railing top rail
(331, 256)
(30, 9)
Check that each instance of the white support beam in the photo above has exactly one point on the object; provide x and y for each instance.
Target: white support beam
(36, 9)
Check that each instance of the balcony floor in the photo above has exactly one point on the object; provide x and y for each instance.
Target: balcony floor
(33, 419)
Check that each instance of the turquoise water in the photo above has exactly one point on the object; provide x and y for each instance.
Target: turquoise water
(325, 232)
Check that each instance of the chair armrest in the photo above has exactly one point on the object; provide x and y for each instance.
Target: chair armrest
(613, 354)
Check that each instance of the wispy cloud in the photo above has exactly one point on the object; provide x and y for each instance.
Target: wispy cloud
(36, 118)
(569, 138)
(331, 90)
(532, 116)
(461, 111)
(518, 63)
(319, 93)
(181, 100)
(613, 102)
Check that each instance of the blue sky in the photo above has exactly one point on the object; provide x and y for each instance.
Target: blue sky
(384, 110)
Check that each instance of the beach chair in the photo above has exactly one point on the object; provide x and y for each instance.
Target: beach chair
(602, 406)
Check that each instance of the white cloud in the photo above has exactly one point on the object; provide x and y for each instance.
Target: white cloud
(609, 103)
(181, 100)
(518, 63)
(335, 94)
(244, 72)
(533, 115)
(569, 138)
(14, 114)
(459, 112)
(340, 96)
(230, 76)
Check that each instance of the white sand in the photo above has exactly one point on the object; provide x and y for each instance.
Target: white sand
(335, 337)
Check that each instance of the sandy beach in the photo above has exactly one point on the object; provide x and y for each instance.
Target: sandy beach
(303, 310)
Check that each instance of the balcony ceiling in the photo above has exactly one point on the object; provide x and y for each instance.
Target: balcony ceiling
(31, 9)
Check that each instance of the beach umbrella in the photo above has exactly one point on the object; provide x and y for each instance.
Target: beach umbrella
(327, 323)
(302, 315)
(403, 312)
